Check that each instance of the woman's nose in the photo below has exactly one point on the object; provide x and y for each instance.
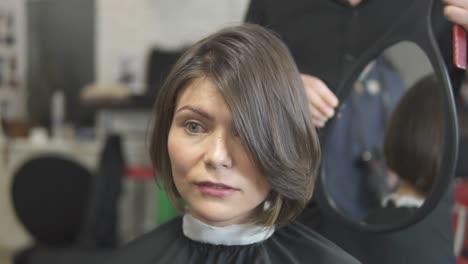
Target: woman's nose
(218, 153)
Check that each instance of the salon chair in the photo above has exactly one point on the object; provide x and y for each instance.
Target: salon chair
(69, 212)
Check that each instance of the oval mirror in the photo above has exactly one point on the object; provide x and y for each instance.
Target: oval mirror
(395, 139)
(389, 152)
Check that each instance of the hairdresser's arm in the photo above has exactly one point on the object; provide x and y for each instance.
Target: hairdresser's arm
(457, 12)
(322, 102)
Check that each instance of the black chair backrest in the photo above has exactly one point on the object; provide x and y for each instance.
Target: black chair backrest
(51, 196)
(101, 227)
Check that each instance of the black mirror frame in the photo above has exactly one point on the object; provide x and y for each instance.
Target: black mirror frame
(413, 26)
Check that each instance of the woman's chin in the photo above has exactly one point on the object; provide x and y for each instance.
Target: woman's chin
(216, 216)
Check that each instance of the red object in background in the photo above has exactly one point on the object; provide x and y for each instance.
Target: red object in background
(462, 261)
(459, 47)
(461, 192)
(460, 219)
(139, 173)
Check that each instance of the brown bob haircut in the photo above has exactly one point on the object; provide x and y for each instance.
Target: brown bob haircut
(261, 86)
(414, 138)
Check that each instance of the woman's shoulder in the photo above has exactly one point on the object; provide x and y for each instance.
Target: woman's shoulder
(143, 249)
(304, 243)
(294, 243)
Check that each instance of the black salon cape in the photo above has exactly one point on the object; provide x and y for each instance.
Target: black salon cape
(292, 244)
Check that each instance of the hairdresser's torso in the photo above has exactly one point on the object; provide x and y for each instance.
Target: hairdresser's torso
(326, 36)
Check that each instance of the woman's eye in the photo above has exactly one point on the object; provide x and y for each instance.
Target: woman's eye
(193, 127)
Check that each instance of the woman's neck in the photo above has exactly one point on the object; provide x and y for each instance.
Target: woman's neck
(405, 189)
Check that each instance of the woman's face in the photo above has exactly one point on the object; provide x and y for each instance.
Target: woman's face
(211, 168)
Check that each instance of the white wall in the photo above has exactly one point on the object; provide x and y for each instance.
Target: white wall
(129, 28)
(14, 97)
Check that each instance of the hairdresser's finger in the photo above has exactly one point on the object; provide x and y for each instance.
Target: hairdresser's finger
(318, 119)
(459, 3)
(317, 114)
(319, 106)
(457, 15)
(318, 123)
(319, 95)
(322, 89)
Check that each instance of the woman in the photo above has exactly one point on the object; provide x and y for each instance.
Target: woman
(233, 137)
(413, 149)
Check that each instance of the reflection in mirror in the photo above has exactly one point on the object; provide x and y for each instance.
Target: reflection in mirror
(384, 152)
(413, 147)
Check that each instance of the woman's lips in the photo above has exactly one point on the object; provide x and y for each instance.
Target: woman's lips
(218, 190)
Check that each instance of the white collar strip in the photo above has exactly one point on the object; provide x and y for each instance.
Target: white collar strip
(404, 201)
(244, 234)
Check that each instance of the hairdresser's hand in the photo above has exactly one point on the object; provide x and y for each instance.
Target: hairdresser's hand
(322, 102)
(457, 12)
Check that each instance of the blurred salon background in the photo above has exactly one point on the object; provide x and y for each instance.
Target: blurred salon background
(77, 82)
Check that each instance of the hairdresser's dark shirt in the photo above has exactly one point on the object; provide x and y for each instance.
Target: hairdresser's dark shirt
(326, 36)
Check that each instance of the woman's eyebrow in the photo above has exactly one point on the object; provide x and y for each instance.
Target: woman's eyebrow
(197, 111)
